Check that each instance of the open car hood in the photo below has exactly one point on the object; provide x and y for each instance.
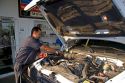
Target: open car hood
(75, 19)
(78, 18)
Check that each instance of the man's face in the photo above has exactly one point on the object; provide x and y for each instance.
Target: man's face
(37, 34)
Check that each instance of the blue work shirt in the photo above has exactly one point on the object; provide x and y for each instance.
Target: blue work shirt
(28, 51)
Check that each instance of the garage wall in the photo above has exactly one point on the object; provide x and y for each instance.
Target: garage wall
(23, 26)
(9, 8)
(22, 30)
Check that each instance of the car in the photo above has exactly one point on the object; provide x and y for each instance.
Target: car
(89, 31)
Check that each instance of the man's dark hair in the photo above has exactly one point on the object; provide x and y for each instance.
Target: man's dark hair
(35, 29)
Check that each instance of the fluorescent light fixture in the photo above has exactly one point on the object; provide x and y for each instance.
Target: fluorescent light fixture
(106, 32)
(74, 32)
(31, 4)
(98, 33)
(103, 31)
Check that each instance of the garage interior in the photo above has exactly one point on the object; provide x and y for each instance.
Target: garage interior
(88, 27)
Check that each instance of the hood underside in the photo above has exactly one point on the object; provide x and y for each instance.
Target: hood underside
(85, 17)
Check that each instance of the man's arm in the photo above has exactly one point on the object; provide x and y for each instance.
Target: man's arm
(48, 49)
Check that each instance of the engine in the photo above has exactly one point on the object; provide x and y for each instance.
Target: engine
(81, 65)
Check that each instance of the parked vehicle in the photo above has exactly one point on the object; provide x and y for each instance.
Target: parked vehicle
(77, 21)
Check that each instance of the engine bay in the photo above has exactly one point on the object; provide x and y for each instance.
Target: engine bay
(85, 64)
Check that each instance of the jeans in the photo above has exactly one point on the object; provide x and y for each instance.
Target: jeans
(21, 74)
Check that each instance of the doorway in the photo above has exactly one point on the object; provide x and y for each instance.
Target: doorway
(7, 39)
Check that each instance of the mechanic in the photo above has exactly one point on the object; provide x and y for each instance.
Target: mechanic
(27, 53)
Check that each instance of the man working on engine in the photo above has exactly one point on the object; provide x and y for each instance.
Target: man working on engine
(28, 52)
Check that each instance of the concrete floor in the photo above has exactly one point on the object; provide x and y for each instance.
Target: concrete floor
(10, 78)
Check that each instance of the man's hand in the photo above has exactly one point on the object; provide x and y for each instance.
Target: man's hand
(47, 48)
(51, 50)
(59, 53)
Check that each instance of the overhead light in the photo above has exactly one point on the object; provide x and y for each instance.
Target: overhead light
(103, 31)
(31, 4)
(98, 33)
(105, 18)
(106, 32)
(74, 32)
